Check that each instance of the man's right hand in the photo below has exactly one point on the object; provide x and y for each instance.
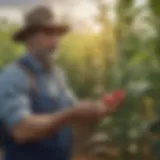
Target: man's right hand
(90, 111)
(86, 110)
(93, 110)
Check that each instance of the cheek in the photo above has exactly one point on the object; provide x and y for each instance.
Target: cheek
(48, 41)
(44, 42)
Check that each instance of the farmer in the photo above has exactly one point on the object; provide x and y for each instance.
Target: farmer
(36, 107)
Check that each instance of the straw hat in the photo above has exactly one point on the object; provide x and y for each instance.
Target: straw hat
(39, 18)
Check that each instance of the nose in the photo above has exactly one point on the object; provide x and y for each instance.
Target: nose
(55, 39)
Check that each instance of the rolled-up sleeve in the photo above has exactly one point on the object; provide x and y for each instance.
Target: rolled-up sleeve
(14, 100)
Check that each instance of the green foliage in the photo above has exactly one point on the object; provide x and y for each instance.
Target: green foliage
(8, 50)
(110, 59)
(154, 6)
(83, 60)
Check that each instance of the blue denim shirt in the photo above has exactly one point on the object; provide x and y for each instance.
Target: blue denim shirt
(16, 104)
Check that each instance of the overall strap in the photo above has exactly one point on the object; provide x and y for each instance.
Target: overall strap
(27, 64)
(28, 69)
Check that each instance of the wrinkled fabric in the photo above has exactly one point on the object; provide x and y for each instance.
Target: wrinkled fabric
(18, 101)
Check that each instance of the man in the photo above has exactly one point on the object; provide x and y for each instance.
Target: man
(37, 109)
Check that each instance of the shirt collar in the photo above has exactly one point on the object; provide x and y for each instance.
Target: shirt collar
(35, 63)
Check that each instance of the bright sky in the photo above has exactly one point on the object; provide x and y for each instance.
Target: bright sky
(80, 10)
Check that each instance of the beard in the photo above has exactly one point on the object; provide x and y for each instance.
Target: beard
(46, 54)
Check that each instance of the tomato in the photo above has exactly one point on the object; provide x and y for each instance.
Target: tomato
(119, 95)
(109, 100)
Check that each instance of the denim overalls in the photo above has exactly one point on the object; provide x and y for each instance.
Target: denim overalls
(56, 147)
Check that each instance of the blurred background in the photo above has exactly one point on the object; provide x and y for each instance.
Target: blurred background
(113, 44)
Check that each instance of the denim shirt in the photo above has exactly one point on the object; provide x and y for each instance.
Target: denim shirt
(17, 102)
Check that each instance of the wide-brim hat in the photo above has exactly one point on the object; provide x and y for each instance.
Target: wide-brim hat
(39, 18)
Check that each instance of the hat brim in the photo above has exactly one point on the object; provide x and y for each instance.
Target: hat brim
(22, 34)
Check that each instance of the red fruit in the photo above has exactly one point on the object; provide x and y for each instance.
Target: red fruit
(114, 99)
(119, 95)
(109, 100)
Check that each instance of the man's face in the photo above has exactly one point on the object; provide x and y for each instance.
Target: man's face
(46, 42)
